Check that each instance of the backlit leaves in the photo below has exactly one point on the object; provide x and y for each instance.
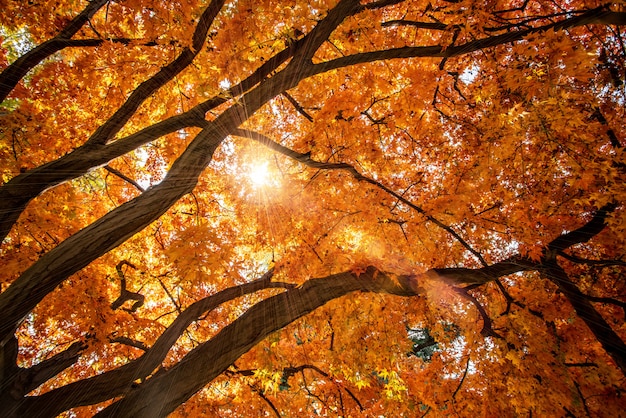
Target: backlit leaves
(416, 175)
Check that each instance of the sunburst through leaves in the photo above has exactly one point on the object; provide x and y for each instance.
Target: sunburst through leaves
(348, 208)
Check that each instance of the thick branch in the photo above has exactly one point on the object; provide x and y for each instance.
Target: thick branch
(483, 275)
(610, 341)
(129, 342)
(8, 370)
(18, 69)
(582, 234)
(596, 16)
(212, 358)
(321, 32)
(126, 220)
(115, 382)
(108, 130)
(415, 24)
(20, 190)
(29, 379)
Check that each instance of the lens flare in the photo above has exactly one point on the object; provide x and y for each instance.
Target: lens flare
(259, 175)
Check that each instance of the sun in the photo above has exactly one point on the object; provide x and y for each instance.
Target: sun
(259, 174)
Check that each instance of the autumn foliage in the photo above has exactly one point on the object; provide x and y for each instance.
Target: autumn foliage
(312, 208)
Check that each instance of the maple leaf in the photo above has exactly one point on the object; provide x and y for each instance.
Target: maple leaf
(358, 269)
(254, 159)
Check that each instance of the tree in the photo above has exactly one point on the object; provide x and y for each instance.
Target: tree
(324, 207)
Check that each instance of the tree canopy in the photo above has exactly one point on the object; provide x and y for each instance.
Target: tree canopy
(322, 207)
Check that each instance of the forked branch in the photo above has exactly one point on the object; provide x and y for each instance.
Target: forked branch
(126, 294)
(116, 382)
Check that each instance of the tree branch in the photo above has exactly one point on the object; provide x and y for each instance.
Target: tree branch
(124, 293)
(585, 364)
(20, 67)
(615, 142)
(582, 398)
(610, 301)
(580, 235)
(297, 106)
(129, 342)
(108, 130)
(306, 159)
(268, 402)
(30, 378)
(487, 330)
(379, 4)
(124, 177)
(414, 24)
(462, 378)
(610, 341)
(602, 263)
(462, 275)
(596, 16)
(322, 31)
(509, 299)
(115, 382)
(290, 371)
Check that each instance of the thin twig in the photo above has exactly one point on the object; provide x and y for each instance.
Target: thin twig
(124, 177)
